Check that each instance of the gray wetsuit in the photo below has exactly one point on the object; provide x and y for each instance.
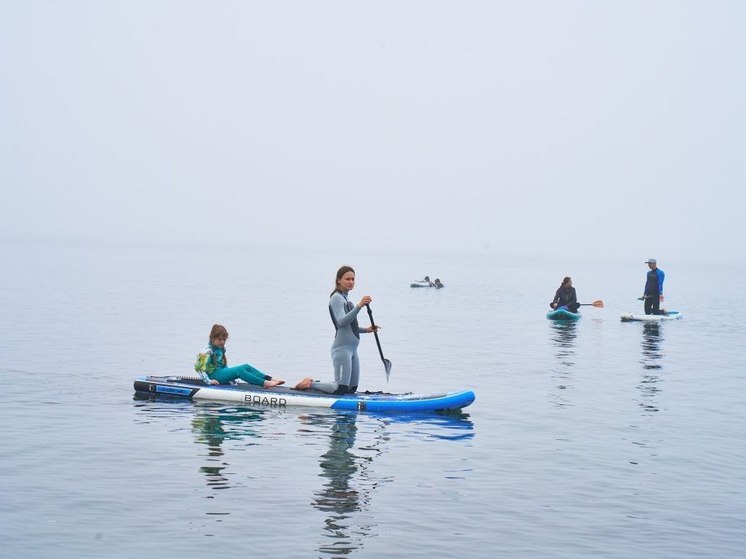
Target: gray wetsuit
(344, 349)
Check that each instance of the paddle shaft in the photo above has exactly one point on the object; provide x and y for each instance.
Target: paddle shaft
(375, 333)
(386, 362)
(599, 304)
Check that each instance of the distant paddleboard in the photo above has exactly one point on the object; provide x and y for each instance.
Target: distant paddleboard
(562, 314)
(670, 315)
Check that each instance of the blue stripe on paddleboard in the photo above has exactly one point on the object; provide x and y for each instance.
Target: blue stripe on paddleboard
(173, 390)
(446, 402)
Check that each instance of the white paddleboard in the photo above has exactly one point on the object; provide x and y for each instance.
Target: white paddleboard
(669, 315)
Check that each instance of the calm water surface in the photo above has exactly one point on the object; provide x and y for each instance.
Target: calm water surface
(588, 439)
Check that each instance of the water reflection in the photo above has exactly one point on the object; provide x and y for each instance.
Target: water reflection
(651, 360)
(347, 445)
(563, 337)
(348, 472)
(348, 482)
(214, 425)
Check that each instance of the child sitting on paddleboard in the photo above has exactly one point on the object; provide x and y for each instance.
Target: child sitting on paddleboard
(212, 364)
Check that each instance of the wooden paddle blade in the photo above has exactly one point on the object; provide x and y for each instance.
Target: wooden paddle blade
(599, 304)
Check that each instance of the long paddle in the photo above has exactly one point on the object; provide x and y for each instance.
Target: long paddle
(599, 304)
(386, 362)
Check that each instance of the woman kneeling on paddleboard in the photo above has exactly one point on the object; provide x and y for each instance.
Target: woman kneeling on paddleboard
(347, 338)
(566, 296)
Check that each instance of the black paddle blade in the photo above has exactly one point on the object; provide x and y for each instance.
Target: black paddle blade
(387, 367)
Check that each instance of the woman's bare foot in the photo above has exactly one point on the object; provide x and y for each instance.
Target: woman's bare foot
(305, 384)
(273, 382)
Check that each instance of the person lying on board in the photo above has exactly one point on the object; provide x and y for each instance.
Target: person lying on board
(212, 364)
(565, 297)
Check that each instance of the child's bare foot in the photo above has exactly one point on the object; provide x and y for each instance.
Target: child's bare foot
(273, 382)
(305, 384)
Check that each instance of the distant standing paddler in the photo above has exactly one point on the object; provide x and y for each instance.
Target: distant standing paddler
(653, 295)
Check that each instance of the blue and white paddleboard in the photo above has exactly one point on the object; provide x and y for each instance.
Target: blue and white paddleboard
(670, 315)
(280, 396)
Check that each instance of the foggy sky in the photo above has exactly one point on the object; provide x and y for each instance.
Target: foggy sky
(511, 127)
